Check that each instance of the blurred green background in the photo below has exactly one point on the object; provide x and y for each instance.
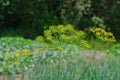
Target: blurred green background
(29, 18)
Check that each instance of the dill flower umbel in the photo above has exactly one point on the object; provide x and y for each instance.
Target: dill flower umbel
(103, 35)
(4, 66)
(60, 48)
(26, 53)
(63, 33)
(39, 38)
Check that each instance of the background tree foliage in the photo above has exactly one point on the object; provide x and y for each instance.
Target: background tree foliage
(29, 18)
(109, 11)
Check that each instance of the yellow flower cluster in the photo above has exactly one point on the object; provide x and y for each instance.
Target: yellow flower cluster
(39, 38)
(18, 78)
(103, 35)
(85, 43)
(26, 52)
(60, 48)
(62, 33)
(13, 58)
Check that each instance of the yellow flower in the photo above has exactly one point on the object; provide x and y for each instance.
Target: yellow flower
(70, 27)
(85, 44)
(54, 41)
(98, 33)
(17, 54)
(39, 38)
(47, 33)
(12, 62)
(92, 30)
(64, 33)
(4, 66)
(49, 38)
(80, 34)
(39, 50)
(103, 35)
(6, 57)
(60, 28)
(60, 48)
(19, 78)
(26, 53)
(53, 29)
(97, 29)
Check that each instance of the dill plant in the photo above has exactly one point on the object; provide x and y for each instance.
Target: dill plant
(66, 34)
(61, 59)
(103, 35)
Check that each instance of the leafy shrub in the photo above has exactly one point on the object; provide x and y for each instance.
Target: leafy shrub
(39, 38)
(109, 11)
(115, 50)
(15, 62)
(20, 54)
(103, 35)
(9, 44)
(16, 54)
(98, 22)
(66, 34)
(38, 15)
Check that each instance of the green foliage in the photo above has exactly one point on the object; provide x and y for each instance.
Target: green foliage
(103, 35)
(30, 18)
(98, 22)
(34, 15)
(16, 54)
(67, 34)
(38, 15)
(72, 11)
(9, 44)
(114, 50)
(108, 11)
(55, 61)
(97, 44)
(77, 68)
(15, 62)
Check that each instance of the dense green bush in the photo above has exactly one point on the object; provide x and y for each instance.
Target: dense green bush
(30, 18)
(56, 61)
(11, 44)
(35, 16)
(109, 11)
(66, 34)
(114, 50)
